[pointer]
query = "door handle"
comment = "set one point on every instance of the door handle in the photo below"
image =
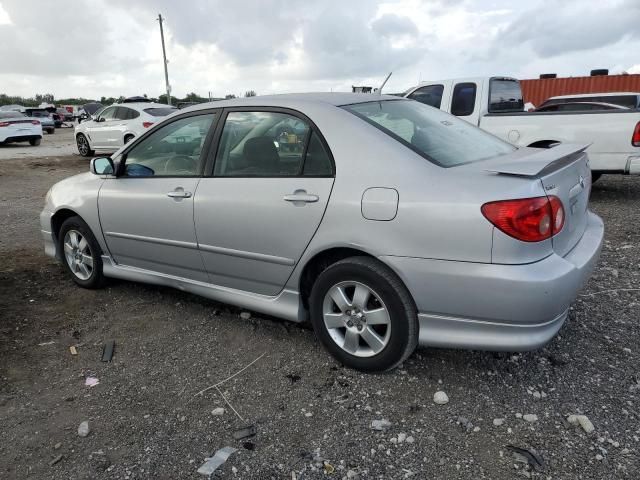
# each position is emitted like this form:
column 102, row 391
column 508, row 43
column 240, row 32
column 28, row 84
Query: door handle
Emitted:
column 179, row 193
column 301, row 196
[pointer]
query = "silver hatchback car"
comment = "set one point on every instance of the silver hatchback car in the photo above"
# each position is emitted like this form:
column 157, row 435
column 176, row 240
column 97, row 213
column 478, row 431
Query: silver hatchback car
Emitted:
column 383, row 221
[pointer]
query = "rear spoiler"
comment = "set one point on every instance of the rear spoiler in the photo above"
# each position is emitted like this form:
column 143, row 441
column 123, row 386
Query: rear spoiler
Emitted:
column 532, row 165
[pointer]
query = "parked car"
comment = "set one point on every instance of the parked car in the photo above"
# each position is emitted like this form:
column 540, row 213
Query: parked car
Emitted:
column 624, row 99
column 17, row 127
column 44, row 117
column 65, row 115
column 118, row 124
column 393, row 225
column 578, row 107
column 88, row 110
column 495, row 104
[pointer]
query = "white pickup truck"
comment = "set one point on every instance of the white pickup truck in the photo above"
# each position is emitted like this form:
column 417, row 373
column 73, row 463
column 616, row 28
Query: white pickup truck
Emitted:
column 495, row 104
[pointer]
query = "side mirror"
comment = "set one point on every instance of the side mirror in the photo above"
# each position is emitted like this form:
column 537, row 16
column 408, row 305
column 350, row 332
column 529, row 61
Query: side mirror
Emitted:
column 101, row 166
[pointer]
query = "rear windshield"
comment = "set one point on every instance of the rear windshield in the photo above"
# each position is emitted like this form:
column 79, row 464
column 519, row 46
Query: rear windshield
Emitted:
column 160, row 111
column 11, row 115
column 505, row 96
column 439, row 137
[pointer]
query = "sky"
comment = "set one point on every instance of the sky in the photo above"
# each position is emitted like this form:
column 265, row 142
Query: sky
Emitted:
column 95, row 48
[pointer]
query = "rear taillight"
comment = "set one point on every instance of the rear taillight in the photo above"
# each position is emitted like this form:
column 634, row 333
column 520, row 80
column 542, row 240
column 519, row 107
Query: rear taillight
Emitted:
column 147, row 124
column 635, row 138
column 527, row 219
column 4, row 124
column 35, row 122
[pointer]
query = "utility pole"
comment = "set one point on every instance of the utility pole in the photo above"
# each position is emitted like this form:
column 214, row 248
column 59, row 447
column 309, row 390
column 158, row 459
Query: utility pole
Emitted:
column 164, row 57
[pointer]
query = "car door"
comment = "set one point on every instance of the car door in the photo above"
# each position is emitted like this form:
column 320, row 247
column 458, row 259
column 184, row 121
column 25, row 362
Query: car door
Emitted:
column 117, row 128
column 259, row 206
column 98, row 129
column 146, row 212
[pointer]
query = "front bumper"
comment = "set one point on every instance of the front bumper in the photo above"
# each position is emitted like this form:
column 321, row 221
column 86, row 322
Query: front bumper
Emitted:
column 498, row 307
column 47, row 234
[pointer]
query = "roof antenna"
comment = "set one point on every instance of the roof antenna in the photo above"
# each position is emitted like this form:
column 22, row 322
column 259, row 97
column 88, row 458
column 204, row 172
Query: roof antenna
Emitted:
column 383, row 84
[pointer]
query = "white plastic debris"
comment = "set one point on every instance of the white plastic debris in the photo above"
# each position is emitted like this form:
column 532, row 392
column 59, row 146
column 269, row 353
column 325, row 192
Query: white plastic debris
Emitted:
column 440, row 398
column 83, row 429
column 582, row 421
column 211, row 464
column 91, row 381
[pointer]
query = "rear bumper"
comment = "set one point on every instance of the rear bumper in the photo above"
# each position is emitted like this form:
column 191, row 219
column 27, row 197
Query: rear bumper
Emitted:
column 627, row 163
column 14, row 138
column 498, row 307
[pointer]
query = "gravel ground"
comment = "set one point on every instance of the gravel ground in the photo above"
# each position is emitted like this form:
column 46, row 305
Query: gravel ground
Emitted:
column 147, row 421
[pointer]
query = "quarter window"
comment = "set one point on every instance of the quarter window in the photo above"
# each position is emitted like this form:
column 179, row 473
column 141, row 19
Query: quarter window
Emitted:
column 268, row 144
column 429, row 95
column 463, row 99
column 173, row 150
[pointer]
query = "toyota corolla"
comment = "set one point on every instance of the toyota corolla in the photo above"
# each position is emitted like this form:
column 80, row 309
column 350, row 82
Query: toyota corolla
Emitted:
column 384, row 222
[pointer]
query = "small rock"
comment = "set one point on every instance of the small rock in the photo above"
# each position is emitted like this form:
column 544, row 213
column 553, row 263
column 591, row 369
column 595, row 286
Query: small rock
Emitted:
column 498, row 421
column 440, row 398
column 530, row 417
column 518, row 415
column 245, row 315
column 626, row 350
column 582, row 421
column 57, row 446
column 55, row 460
column 83, row 429
column 382, row 424
column 352, row 474
column 410, row 439
column 402, row 437
column 599, row 457
column 308, row 414
column 476, row 429
column 217, row 411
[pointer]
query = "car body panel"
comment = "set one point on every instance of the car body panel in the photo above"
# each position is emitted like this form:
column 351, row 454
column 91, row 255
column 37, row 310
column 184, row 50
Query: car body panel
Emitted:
column 438, row 242
column 18, row 128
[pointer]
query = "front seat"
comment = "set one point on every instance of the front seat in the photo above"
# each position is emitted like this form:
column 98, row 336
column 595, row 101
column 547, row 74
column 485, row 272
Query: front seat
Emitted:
column 261, row 156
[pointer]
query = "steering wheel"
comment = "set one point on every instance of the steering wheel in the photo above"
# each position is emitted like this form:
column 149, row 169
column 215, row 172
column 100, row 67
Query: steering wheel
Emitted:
column 180, row 163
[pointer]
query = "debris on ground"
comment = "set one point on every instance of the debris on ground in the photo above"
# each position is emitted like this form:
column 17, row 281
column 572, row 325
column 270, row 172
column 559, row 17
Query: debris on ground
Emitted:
column 245, row 432
column 43, row 344
column 328, row 468
column 293, row 377
column 211, row 464
column 530, row 417
column 245, row 315
column 465, row 423
column 440, row 398
column 55, row 460
column 107, row 350
column 529, row 456
column 73, row 350
column 91, row 381
column 381, row 425
column 498, row 421
column 83, row 429
column 217, row 411
column 582, row 421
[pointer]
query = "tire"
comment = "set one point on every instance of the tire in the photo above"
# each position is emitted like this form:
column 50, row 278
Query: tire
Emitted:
column 84, row 148
column 34, row 142
column 74, row 252
column 51, row 131
column 396, row 319
column 128, row 138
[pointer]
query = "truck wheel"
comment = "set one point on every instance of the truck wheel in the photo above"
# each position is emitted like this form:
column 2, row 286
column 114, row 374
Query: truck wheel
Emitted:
column 34, row 142
column 363, row 314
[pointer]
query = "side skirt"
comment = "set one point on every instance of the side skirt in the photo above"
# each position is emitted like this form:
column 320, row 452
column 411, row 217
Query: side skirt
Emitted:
column 285, row 305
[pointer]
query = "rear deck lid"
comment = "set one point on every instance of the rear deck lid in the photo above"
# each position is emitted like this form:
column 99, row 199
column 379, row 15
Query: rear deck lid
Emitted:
column 564, row 172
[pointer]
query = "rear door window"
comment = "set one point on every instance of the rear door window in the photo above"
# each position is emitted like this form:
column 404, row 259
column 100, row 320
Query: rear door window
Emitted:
column 463, row 99
column 505, row 95
column 429, row 95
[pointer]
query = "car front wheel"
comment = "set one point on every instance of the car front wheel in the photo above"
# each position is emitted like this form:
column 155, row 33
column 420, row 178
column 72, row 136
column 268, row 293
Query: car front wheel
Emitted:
column 34, row 142
column 83, row 146
column 80, row 253
column 364, row 315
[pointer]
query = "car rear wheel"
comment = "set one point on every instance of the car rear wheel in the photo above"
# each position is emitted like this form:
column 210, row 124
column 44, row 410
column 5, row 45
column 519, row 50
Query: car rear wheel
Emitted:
column 80, row 253
column 83, row 146
column 34, row 142
column 364, row 315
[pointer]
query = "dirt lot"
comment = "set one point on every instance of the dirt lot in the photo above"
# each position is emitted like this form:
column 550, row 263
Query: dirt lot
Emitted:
column 146, row 420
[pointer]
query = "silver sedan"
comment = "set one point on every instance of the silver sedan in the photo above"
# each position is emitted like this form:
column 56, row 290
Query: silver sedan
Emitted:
column 383, row 221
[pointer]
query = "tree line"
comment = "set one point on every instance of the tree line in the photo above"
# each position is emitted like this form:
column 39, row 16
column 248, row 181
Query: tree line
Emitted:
column 39, row 98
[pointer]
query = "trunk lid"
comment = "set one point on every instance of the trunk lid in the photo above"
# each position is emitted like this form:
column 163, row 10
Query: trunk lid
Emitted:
column 564, row 172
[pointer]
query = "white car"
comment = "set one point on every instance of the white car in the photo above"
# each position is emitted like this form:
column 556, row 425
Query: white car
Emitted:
column 17, row 127
column 118, row 124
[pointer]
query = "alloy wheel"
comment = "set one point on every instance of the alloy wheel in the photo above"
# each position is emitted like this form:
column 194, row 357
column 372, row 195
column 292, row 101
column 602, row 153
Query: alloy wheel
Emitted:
column 78, row 254
column 356, row 318
column 83, row 145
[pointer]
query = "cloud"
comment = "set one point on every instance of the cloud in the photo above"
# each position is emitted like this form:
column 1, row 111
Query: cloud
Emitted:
column 390, row 25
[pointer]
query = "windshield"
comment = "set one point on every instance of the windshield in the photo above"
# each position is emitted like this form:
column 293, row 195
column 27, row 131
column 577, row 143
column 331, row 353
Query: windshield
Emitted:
column 439, row 137
column 160, row 111
column 11, row 115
